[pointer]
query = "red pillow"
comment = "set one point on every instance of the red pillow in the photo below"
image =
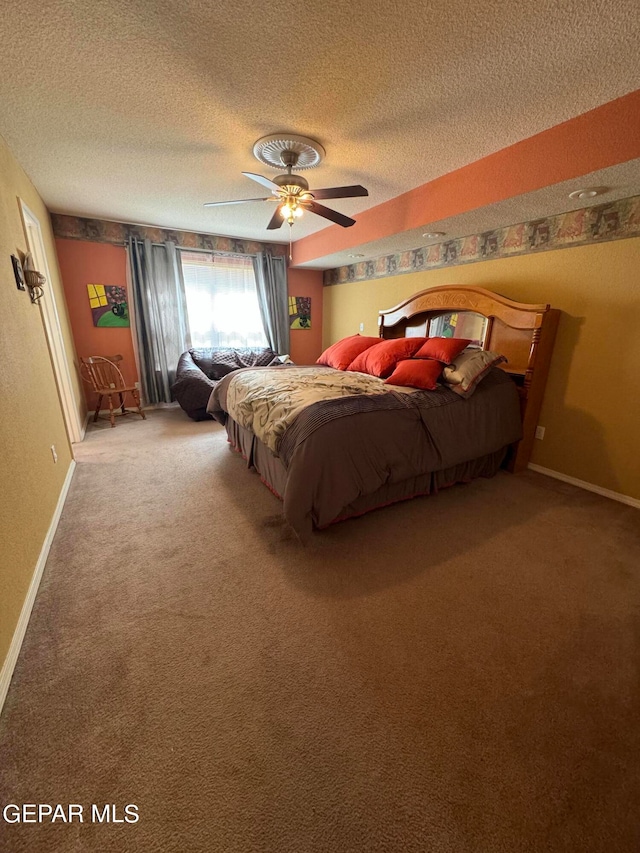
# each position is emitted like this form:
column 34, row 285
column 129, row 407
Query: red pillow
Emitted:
column 341, row 354
column 383, row 357
column 416, row 372
column 443, row 349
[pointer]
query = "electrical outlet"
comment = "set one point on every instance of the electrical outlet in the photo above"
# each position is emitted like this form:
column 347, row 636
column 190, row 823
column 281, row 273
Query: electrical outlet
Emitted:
column 362, row 327
column 539, row 432
column 53, row 453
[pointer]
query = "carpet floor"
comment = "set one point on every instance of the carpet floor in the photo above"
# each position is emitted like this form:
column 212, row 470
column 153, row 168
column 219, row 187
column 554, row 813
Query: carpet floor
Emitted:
column 455, row 674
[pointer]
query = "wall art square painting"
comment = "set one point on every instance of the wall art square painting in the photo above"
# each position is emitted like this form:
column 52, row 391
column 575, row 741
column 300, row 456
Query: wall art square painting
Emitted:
column 300, row 312
column 108, row 305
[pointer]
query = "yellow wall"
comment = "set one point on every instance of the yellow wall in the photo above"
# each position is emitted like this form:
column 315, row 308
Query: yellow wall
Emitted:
column 30, row 415
column 591, row 409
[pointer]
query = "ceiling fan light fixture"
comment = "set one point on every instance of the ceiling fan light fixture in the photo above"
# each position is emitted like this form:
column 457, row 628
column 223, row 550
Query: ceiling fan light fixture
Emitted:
column 291, row 210
column 291, row 192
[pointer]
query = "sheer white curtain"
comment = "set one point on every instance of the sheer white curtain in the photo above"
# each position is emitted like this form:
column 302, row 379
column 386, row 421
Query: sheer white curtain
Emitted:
column 222, row 302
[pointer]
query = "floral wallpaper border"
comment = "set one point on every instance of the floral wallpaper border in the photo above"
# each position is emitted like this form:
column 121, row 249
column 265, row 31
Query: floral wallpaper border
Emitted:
column 103, row 231
column 611, row 221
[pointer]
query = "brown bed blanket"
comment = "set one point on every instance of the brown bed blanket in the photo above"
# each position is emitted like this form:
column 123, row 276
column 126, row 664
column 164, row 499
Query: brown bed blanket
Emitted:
column 336, row 451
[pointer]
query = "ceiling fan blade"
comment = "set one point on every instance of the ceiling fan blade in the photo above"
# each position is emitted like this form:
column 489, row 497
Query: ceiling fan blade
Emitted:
column 276, row 220
column 340, row 192
column 236, row 201
column 333, row 215
column 270, row 185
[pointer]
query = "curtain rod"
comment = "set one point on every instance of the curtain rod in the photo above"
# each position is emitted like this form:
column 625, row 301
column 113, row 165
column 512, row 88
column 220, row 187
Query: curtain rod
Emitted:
column 200, row 251
column 217, row 252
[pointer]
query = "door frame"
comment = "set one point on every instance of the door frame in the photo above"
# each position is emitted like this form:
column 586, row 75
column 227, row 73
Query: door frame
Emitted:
column 51, row 325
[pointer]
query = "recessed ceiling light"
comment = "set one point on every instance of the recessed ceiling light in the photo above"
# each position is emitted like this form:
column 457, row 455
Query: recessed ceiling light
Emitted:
column 431, row 235
column 588, row 192
column 355, row 255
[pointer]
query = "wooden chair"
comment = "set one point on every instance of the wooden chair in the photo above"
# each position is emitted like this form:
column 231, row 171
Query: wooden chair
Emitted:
column 107, row 381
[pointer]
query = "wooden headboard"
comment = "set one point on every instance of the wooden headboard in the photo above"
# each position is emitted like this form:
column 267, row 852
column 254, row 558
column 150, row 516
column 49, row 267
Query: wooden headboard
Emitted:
column 523, row 333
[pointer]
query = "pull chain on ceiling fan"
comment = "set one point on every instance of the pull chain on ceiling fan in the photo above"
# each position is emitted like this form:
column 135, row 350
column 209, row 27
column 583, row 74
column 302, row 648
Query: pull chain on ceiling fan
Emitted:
column 291, row 192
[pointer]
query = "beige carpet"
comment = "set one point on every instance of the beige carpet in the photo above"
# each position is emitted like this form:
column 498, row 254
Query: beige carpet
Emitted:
column 456, row 674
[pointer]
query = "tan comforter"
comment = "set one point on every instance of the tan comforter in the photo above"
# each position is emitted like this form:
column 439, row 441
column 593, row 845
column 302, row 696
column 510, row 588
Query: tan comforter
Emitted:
column 268, row 401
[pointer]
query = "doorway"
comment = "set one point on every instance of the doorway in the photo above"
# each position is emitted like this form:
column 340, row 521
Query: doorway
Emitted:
column 51, row 325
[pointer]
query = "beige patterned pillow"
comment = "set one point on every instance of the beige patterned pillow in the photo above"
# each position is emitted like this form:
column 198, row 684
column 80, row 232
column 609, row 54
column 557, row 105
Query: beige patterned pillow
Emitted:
column 469, row 368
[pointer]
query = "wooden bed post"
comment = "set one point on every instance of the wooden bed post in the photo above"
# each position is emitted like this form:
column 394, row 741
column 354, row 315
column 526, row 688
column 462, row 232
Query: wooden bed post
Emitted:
column 535, row 380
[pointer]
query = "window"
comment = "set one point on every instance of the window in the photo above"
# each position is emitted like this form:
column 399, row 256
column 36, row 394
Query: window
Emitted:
column 222, row 301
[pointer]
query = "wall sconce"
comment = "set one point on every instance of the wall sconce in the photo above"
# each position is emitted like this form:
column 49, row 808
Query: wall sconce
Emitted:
column 34, row 281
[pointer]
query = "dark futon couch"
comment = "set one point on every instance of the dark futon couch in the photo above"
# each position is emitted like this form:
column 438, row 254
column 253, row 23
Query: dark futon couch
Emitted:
column 200, row 369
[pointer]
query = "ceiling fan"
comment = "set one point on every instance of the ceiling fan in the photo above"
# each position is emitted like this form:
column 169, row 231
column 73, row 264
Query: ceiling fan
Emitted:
column 291, row 192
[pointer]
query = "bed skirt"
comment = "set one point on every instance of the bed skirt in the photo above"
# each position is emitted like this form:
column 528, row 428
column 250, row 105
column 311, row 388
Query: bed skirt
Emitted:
column 274, row 475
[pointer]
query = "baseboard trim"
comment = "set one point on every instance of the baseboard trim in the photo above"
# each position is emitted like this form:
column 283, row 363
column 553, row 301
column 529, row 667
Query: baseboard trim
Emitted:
column 590, row 487
column 21, row 628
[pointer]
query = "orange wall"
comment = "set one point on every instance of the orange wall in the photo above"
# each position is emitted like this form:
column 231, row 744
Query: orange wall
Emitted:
column 605, row 136
column 83, row 263
column 306, row 344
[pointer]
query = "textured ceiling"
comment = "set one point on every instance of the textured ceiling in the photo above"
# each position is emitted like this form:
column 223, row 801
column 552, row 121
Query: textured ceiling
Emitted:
column 143, row 111
column 620, row 181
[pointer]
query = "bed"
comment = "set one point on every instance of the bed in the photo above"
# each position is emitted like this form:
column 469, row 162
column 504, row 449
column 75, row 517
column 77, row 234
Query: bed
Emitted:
column 369, row 444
